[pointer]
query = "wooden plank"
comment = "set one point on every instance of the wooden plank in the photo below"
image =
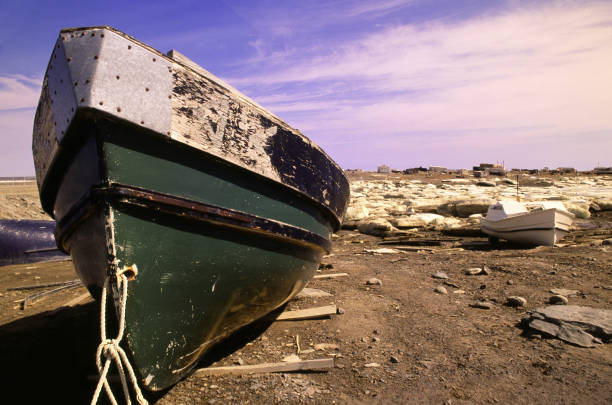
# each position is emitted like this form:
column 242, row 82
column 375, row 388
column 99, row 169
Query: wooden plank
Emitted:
column 333, row 275
column 309, row 313
column 282, row 367
column 76, row 301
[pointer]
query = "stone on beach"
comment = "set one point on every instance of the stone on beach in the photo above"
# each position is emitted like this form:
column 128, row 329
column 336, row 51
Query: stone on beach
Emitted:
column 578, row 325
column 440, row 290
column 416, row 220
column 470, row 207
column 579, row 209
column 373, row 281
column 564, row 292
column 376, row 227
column 516, row 301
column 356, row 213
column 558, row 300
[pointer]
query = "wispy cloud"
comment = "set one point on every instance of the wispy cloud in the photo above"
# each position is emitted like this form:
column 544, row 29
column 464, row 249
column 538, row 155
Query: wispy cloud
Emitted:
column 544, row 67
column 377, row 8
column 18, row 91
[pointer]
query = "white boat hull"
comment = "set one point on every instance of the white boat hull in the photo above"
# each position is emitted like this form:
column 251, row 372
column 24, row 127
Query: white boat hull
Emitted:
column 545, row 227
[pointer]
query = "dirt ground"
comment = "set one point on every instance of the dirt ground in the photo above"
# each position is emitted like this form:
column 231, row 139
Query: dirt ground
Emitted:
column 399, row 342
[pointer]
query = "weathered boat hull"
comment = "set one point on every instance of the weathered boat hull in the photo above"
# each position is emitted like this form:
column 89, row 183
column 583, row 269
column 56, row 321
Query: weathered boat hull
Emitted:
column 543, row 227
column 222, row 232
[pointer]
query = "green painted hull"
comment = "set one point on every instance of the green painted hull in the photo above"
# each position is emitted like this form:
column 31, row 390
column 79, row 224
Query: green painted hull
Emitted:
column 198, row 280
column 196, row 284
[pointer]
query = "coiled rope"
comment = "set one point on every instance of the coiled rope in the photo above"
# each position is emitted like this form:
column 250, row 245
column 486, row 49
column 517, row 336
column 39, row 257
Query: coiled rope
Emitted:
column 110, row 347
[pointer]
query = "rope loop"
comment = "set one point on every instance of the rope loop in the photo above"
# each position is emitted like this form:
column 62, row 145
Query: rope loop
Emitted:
column 110, row 349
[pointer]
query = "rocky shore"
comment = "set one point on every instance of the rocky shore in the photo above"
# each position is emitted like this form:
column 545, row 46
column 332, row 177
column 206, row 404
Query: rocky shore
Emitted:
column 430, row 312
column 382, row 205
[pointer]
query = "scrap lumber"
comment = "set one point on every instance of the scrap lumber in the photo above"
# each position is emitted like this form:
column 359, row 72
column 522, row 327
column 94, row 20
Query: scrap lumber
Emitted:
column 35, row 286
column 76, row 301
column 35, row 297
column 310, row 313
column 282, row 367
column 332, row 275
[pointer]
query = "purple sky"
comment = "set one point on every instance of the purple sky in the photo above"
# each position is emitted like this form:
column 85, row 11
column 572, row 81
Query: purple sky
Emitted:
column 399, row 82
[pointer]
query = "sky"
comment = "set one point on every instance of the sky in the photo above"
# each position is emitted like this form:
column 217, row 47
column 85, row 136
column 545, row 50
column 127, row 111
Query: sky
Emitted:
column 404, row 83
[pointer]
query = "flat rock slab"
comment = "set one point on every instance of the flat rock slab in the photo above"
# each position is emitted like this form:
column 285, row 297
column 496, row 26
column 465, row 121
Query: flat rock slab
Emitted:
column 578, row 325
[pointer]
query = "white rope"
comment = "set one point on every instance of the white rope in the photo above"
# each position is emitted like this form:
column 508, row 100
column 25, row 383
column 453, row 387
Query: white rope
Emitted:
column 110, row 347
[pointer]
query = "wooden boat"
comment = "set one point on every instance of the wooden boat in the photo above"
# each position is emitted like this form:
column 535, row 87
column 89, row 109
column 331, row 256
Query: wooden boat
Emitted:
column 538, row 223
column 146, row 158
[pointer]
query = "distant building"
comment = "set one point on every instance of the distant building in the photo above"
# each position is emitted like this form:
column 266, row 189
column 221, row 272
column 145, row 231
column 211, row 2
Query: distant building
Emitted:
column 383, row 169
column 438, row 169
column 566, row 170
column 603, row 170
column 415, row 170
column 494, row 169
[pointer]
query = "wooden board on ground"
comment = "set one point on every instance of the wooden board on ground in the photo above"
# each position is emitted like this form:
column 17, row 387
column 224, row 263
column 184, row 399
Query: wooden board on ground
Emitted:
column 333, row 275
column 282, row 367
column 309, row 313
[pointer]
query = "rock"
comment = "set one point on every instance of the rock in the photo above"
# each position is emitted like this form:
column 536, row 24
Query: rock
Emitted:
column 356, row 213
column 440, row 275
column 416, row 220
column 470, row 207
column 394, row 359
column 510, row 282
column 481, row 305
column 440, row 290
column 473, row 271
column 558, row 300
column 373, row 281
column 447, row 223
column 377, row 227
column 340, row 311
column 607, row 241
column 578, row 325
column 459, row 292
column 564, row 292
column 447, row 209
column 485, row 270
column 370, row 365
column 604, row 204
column 484, row 183
column 516, row 301
column 579, row 209
column 448, row 283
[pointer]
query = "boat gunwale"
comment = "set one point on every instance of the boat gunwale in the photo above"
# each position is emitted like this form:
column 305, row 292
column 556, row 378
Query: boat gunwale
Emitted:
column 183, row 207
column 336, row 214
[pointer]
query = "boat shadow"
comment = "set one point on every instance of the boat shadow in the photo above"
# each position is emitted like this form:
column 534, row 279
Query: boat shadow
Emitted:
column 239, row 339
column 50, row 356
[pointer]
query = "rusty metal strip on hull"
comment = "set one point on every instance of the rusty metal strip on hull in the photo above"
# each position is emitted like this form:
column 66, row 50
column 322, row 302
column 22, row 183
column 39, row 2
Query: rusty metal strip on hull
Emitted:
column 136, row 197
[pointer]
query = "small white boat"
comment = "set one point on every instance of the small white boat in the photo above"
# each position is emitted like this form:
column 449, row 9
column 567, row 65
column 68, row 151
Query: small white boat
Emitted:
column 533, row 223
